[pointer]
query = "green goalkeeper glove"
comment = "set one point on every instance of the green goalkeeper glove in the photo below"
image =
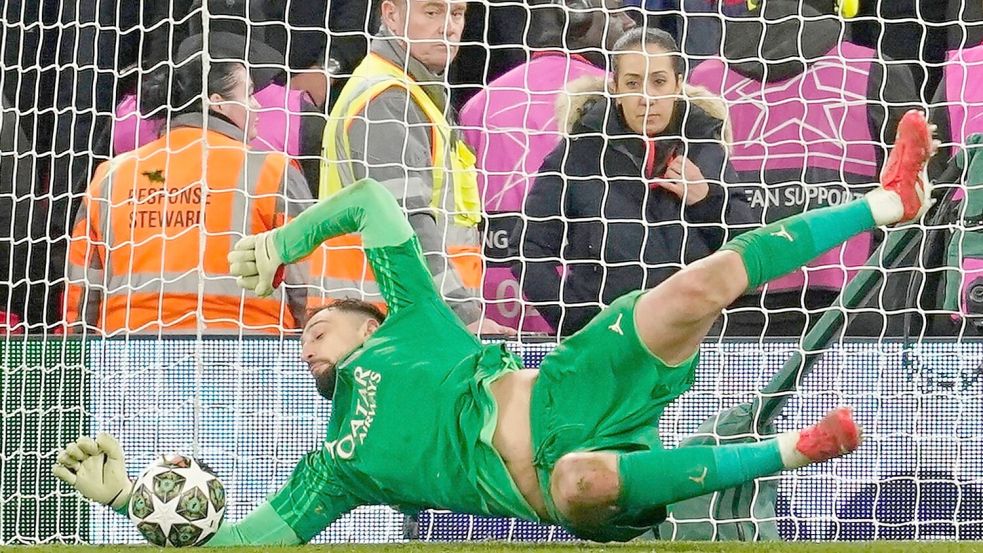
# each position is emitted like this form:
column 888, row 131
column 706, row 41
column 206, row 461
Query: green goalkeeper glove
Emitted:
column 96, row 469
column 257, row 263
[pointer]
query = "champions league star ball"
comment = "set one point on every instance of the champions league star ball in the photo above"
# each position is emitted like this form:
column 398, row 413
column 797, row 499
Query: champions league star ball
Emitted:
column 177, row 502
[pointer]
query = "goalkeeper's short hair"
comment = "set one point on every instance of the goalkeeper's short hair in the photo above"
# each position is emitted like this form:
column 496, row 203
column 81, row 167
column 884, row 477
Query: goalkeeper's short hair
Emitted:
column 350, row 305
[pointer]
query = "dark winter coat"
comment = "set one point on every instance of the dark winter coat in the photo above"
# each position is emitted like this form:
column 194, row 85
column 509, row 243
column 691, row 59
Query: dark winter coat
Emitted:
column 24, row 238
column 592, row 212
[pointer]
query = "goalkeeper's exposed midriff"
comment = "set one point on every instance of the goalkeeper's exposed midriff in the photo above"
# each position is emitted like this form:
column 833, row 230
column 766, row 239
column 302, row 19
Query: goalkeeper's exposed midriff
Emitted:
column 513, row 434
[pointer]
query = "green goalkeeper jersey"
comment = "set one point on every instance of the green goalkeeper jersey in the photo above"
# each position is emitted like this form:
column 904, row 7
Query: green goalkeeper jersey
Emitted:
column 412, row 415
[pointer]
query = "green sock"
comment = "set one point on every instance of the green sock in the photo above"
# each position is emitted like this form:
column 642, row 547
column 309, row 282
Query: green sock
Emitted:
column 782, row 247
column 665, row 476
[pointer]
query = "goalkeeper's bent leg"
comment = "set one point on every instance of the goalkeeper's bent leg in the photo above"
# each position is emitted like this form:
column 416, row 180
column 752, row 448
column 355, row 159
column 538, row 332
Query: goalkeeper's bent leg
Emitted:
column 673, row 318
column 904, row 195
column 704, row 469
column 591, row 488
column 780, row 248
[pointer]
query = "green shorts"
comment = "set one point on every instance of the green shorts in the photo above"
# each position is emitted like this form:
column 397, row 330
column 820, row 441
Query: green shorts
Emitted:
column 601, row 389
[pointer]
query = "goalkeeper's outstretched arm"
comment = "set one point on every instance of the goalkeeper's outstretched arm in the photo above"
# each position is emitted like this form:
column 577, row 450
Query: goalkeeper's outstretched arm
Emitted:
column 365, row 207
column 309, row 501
column 300, row 510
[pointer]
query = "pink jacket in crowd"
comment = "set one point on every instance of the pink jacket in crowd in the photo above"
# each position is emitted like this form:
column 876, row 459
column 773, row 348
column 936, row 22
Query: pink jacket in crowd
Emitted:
column 279, row 122
column 511, row 125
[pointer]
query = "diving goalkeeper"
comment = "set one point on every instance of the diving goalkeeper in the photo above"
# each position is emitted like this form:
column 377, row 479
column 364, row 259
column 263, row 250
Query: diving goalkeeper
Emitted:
column 426, row 416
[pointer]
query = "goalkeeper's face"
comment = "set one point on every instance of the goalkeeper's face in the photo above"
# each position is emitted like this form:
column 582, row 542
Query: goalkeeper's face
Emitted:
column 330, row 335
column 432, row 28
column 646, row 87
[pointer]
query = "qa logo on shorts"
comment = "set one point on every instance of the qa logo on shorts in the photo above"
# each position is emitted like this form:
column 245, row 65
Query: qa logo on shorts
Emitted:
column 360, row 419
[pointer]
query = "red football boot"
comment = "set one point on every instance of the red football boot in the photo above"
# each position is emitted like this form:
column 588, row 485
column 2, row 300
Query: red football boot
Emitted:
column 904, row 172
column 836, row 435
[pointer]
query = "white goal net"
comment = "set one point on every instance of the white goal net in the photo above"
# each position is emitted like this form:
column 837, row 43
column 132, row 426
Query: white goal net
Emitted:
column 116, row 313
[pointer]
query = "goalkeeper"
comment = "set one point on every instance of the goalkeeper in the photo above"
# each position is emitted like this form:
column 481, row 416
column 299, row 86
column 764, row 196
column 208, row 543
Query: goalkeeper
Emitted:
column 426, row 416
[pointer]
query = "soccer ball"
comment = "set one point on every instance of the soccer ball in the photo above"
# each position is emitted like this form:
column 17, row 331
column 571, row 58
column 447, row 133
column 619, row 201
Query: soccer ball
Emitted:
column 177, row 502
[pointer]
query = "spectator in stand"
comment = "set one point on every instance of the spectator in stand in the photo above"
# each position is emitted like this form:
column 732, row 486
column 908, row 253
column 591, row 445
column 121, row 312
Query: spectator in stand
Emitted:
column 918, row 33
column 512, row 126
column 295, row 104
column 291, row 105
column 957, row 112
column 300, row 31
column 59, row 70
column 812, row 116
column 391, row 123
column 23, row 231
column 698, row 24
column 147, row 252
column 492, row 42
column 636, row 190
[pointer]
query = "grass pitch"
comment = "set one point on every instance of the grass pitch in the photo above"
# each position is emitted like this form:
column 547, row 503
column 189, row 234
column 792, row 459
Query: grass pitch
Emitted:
column 496, row 547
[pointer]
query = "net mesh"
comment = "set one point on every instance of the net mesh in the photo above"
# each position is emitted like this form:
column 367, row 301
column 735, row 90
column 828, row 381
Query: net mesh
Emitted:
column 804, row 129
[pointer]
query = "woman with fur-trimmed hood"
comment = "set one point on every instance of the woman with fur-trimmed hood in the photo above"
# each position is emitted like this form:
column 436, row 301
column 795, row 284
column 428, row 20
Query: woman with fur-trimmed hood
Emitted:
column 634, row 191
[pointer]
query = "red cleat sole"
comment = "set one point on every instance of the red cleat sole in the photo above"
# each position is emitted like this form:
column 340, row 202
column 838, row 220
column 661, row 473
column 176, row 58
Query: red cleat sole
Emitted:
column 836, row 435
column 912, row 150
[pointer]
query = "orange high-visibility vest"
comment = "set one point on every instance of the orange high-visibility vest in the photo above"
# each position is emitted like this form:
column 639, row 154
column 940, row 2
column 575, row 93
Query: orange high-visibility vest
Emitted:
column 151, row 237
column 339, row 269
